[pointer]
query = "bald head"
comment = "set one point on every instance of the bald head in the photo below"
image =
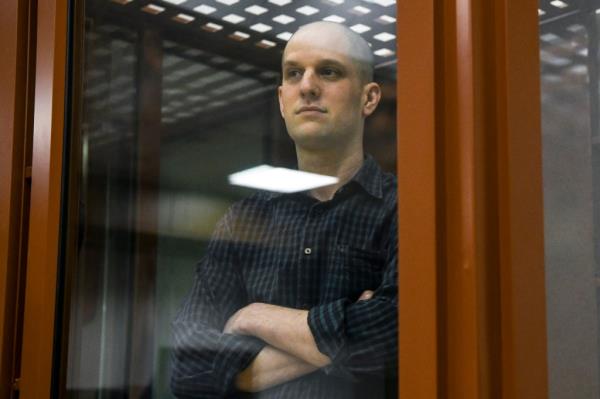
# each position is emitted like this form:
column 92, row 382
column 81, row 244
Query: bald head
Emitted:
column 347, row 43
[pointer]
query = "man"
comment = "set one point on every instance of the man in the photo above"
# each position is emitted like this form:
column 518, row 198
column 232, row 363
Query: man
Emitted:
column 297, row 295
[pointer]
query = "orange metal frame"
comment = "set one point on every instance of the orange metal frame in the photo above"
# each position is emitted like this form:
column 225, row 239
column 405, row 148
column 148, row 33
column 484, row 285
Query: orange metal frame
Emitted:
column 472, row 304
column 417, row 200
column 40, row 296
column 470, row 228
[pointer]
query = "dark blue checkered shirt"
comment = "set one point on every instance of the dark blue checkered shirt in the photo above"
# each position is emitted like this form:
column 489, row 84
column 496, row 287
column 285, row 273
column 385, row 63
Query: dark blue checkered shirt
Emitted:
column 292, row 250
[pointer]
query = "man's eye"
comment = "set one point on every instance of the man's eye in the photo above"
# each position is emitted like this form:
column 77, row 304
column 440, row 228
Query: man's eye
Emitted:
column 293, row 73
column 330, row 72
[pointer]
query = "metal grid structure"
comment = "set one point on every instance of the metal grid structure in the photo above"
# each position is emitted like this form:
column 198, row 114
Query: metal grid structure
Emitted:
column 218, row 55
column 563, row 37
column 269, row 24
column 569, row 51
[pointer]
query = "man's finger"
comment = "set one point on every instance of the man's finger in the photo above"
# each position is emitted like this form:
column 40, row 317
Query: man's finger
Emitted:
column 368, row 294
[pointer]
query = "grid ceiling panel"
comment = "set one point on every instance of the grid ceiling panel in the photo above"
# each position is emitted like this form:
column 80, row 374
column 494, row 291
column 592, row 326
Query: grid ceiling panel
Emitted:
column 269, row 23
column 552, row 9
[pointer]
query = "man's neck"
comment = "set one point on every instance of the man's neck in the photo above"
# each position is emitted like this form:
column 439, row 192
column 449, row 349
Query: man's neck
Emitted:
column 340, row 164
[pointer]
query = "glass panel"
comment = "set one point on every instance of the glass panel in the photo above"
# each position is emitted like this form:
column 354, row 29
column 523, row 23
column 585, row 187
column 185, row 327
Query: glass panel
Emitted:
column 571, row 164
column 177, row 96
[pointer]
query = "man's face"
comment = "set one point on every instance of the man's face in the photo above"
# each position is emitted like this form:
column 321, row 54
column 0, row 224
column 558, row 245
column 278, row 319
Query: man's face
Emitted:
column 321, row 94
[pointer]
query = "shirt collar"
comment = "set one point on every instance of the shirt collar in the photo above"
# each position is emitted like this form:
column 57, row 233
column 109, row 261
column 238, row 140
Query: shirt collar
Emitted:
column 369, row 177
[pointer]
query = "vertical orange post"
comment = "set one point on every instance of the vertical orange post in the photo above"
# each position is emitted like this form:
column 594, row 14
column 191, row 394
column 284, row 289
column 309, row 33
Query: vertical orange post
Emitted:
column 15, row 65
column 494, row 332
column 40, row 298
column 417, row 225
column 472, row 298
column 523, row 305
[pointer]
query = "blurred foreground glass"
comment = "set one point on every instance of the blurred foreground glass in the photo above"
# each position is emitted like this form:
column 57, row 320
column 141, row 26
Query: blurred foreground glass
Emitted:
column 569, row 42
column 174, row 97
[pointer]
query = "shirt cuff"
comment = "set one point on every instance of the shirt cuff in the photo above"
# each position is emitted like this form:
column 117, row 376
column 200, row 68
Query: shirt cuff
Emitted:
column 236, row 352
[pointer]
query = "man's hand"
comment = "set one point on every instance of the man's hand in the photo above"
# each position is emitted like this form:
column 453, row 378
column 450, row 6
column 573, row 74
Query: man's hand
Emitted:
column 366, row 295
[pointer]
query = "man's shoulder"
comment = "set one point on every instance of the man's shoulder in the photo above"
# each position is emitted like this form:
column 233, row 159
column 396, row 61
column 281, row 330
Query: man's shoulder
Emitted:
column 257, row 201
column 389, row 182
column 250, row 209
column 389, row 186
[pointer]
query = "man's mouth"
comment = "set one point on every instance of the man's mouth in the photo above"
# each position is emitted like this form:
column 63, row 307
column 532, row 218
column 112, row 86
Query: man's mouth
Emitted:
column 310, row 108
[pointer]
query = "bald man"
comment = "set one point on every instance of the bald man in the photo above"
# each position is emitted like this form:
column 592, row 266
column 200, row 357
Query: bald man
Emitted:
column 297, row 295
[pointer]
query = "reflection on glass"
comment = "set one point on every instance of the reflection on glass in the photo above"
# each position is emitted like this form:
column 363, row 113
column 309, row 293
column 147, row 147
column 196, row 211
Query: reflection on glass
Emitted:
column 176, row 97
column 571, row 164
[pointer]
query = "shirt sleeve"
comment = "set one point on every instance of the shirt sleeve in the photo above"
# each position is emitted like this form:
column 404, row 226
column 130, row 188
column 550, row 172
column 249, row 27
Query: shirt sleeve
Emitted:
column 205, row 361
column 361, row 337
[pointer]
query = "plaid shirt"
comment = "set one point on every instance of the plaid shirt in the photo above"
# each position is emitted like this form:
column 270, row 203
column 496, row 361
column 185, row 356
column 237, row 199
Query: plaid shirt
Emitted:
column 295, row 251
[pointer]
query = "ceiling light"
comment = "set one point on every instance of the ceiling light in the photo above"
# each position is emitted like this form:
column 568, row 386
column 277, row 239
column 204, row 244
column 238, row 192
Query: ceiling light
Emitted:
column 578, row 27
column 360, row 28
column 204, row 9
column 266, row 44
column 256, row 10
column 284, row 36
column 227, row 2
column 384, row 37
column 559, row 4
column 183, row 18
column 269, row 74
column 239, row 36
column 384, row 52
column 153, row 9
column 233, row 18
column 262, row 28
column 578, row 69
column 556, row 61
column 176, row 2
column 550, row 37
column 360, row 10
column 244, row 67
column 307, row 10
column 541, row 12
column 336, row 2
column 280, row 2
column 334, row 18
column 280, row 180
column 217, row 59
column 386, row 19
column 212, row 27
column 197, row 97
column 383, row 3
column 284, row 19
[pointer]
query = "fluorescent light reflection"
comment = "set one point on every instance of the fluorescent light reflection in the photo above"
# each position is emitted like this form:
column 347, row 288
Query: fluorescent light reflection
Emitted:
column 280, row 180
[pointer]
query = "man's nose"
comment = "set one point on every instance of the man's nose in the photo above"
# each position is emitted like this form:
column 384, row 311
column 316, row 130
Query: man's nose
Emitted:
column 309, row 85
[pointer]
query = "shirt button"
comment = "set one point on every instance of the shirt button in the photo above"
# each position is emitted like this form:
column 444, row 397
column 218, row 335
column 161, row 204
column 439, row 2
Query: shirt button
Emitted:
column 307, row 251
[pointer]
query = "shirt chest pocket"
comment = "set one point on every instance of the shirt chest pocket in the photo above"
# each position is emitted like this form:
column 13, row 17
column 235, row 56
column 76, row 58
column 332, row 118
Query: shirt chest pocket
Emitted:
column 352, row 271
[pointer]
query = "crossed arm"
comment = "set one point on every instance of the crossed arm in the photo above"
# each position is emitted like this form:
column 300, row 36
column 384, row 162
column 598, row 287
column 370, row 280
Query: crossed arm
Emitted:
column 291, row 351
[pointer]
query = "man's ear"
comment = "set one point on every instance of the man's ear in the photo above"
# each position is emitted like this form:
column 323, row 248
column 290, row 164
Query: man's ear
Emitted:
column 371, row 95
column 280, row 102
